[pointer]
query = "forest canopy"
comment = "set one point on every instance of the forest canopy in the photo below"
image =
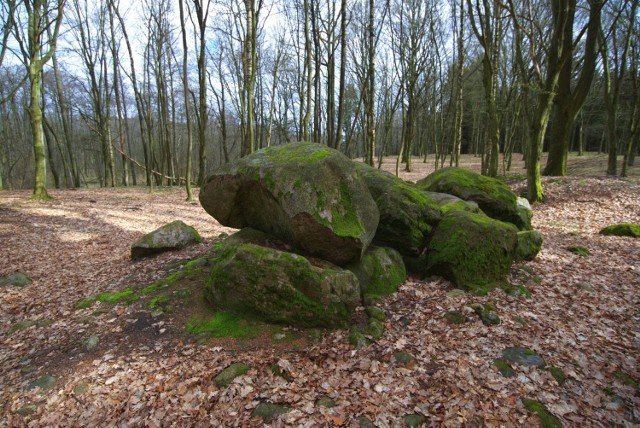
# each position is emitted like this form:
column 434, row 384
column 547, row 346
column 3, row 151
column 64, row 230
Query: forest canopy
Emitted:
column 134, row 93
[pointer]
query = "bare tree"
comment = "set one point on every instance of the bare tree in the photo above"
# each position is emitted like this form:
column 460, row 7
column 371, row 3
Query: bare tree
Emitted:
column 37, row 48
column 571, row 94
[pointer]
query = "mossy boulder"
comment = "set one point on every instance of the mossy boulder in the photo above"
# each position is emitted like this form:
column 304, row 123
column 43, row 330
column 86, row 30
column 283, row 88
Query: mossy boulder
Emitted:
column 17, row 279
column 303, row 193
column 529, row 245
column 494, row 197
column 472, row 250
column 171, row 236
column 380, row 271
column 407, row 215
column 622, row 229
column 281, row 287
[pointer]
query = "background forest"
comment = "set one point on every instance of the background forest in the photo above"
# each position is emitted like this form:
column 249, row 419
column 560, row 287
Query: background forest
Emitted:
column 112, row 92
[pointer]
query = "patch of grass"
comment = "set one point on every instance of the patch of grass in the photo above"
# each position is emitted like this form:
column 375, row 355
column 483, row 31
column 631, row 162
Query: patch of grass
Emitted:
column 159, row 302
column 126, row 296
column 223, row 324
column 152, row 288
column 579, row 250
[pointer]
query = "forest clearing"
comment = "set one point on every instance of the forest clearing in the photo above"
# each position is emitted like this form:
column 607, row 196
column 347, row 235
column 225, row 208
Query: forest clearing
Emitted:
column 125, row 364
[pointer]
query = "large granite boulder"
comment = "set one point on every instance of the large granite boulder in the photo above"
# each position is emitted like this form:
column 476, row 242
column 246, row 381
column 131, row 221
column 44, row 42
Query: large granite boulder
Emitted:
column 407, row 215
column 303, row 193
column 171, row 236
column 494, row 197
column 281, row 287
column 472, row 250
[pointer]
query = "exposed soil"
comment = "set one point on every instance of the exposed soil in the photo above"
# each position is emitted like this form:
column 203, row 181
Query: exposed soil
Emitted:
column 583, row 316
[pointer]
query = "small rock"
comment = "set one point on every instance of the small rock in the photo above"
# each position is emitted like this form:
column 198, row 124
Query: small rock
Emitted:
column 17, row 279
column 325, row 402
column 414, row 420
column 365, row 422
column 45, row 382
column 80, row 389
column 226, row 376
column 90, row 343
column 586, row 287
column 405, row 320
column 558, row 375
column 456, row 293
column 280, row 372
column 489, row 318
column 279, row 336
column 26, row 410
column 455, row 317
column 404, row 359
column 503, row 367
column 523, row 356
column 357, row 339
column 268, row 411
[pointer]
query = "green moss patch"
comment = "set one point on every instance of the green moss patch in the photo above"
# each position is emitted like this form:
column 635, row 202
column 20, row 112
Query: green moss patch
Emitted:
column 126, row 296
column 504, row 367
column 226, row 376
column 579, row 250
column 558, row 374
column 455, row 317
column 622, row 229
column 547, row 419
column 223, row 324
column 626, row 378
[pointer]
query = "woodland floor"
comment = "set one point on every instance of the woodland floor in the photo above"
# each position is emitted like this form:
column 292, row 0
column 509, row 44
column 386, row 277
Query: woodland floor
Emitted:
column 583, row 316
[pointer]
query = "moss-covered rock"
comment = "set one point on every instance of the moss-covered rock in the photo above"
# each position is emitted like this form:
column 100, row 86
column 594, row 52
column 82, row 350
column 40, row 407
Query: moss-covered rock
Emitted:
column 376, row 313
column 472, row 250
column 171, row 236
column 622, row 229
column 504, row 367
column 380, row 271
column 494, row 197
column 414, row 420
column 547, row 419
column 407, row 215
column 455, row 317
column 45, row 382
column 268, row 411
column 304, row 193
column 281, row 287
column 523, row 356
column 17, row 279
column 529, row 245
column 356, row 338
column 226, row 376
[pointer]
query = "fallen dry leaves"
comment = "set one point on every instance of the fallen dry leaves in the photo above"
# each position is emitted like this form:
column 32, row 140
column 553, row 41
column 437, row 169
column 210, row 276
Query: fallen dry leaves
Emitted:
column 583, row 317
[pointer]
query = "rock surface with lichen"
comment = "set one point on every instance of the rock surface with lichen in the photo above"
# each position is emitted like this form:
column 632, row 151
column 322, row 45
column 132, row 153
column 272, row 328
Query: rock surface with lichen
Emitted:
column 472, row 250
column 494, row 197
column 281, row 287
column 304, row 193
column 171, row 236
column 407, row 215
